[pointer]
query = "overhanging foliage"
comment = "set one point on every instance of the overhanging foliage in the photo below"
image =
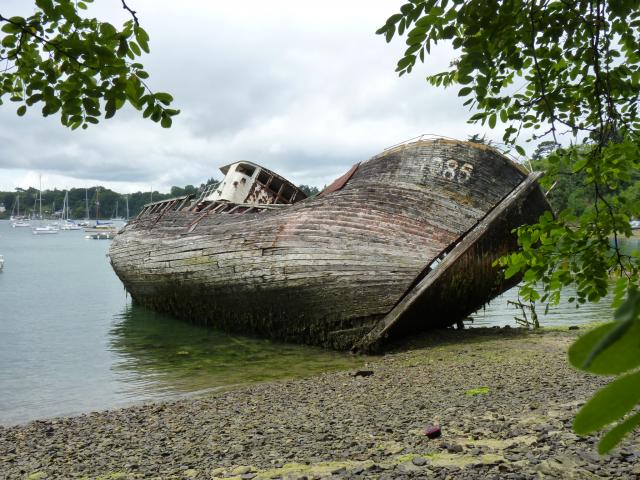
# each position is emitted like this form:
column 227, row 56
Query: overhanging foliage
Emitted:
column 568, row 72
column 79, row 68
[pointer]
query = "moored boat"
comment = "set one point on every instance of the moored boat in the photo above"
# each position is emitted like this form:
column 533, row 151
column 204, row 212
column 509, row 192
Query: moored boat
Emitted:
column 70, row 225
column 402, row 242
column 101, row 231
column 46, row 230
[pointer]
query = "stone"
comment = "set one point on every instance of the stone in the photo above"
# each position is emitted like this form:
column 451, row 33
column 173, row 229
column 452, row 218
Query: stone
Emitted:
column 455, row 448
column 241, row 470
column 419, row 461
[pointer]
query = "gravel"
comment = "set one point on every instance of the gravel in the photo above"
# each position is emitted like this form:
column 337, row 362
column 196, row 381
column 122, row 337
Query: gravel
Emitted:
column 342, row 425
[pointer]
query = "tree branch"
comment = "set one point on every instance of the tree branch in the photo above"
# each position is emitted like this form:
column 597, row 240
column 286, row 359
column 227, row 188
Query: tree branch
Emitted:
column 132, row 12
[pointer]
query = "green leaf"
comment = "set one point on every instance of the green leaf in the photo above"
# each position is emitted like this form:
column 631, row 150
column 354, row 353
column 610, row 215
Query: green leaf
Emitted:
column 46, row 6
column 620, row 355
column 163, row 97
column 609, row 404
column 110, row 108
column 615, row 435
column 492, row 120
column 166, row 121
column 22, row 110
column 520, row 150
column 133, row 46
column 393, row 19
column 592, row 347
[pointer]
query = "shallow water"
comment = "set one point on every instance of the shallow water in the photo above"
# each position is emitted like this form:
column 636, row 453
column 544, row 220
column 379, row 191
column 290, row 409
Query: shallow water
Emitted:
column 500, row 313
column 71, row 342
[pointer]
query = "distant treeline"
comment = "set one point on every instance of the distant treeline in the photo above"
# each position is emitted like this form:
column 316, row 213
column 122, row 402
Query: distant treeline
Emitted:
column 102, row 202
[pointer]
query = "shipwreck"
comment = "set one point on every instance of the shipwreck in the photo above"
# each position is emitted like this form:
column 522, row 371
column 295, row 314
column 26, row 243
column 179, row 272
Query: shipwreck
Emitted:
column 402, row 242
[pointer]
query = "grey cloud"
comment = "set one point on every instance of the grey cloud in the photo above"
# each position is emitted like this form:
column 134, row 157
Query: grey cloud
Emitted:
column 307, row 90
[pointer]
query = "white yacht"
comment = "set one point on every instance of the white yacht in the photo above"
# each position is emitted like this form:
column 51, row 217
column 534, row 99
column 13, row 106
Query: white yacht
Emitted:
column 46, row 230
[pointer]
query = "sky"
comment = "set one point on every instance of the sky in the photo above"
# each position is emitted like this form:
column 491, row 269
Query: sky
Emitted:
column 304, row 88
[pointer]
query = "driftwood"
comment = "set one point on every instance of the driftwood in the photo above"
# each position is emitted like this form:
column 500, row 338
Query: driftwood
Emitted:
column 405, row 243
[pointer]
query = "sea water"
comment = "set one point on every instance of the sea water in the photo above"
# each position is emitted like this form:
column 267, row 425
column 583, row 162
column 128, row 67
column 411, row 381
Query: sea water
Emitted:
column 71, row 341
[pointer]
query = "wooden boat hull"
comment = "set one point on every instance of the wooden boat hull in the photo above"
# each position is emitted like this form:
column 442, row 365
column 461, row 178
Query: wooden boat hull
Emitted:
column 330, row 270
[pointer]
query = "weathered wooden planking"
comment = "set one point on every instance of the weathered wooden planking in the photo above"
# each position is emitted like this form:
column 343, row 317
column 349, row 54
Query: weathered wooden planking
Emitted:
column 336, row 263
column 444, row 289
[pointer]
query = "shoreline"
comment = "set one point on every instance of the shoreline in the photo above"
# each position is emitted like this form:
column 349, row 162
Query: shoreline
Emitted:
column 504, row 398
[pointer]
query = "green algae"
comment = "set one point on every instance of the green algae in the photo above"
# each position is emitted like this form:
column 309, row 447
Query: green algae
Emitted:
column 112, row 476
column 183, row 358
column 321, row 469
column 477, row 391
column 37, row 476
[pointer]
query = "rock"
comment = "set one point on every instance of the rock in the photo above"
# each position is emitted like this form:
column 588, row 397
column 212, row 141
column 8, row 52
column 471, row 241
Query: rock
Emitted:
column 433, row 431
column 362, row 373
column 455, row 448
column 419, row 461
column 241, row 470
column 357, row 470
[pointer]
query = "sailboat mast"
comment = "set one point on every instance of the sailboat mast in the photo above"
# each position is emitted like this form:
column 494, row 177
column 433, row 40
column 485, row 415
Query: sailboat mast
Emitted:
column 97, row 204
column 40, row 197
column 86, row 202
column 127, row 200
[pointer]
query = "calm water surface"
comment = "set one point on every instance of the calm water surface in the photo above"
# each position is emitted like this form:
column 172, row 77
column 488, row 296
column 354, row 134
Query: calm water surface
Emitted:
column 71, row 342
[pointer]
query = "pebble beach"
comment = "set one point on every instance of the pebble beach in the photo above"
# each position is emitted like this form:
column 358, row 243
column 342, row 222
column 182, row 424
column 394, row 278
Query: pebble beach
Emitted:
column 503, row 399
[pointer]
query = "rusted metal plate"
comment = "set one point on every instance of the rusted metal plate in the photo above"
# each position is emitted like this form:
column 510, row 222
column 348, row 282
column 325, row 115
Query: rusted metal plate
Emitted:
column 339, row 182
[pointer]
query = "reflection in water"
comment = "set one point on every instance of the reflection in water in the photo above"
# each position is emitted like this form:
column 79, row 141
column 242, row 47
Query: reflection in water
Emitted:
column 500, row 313
column 160, row 356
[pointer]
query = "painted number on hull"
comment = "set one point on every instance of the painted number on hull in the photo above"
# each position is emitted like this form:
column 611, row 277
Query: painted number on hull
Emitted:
column 452, row 170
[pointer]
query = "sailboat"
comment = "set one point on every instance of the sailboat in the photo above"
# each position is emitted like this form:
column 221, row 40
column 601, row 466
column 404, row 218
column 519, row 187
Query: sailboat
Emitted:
column 18, row 220
column 47, row 229
column 101, row 230
column 67, row 223
column 85, row 222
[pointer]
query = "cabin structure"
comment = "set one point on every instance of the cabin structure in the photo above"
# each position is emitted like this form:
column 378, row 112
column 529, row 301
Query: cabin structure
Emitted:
column 248, row 182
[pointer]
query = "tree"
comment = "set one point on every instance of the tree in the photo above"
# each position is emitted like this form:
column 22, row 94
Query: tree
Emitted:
column 77, row 67
column 558, row 69
column 309, row 190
